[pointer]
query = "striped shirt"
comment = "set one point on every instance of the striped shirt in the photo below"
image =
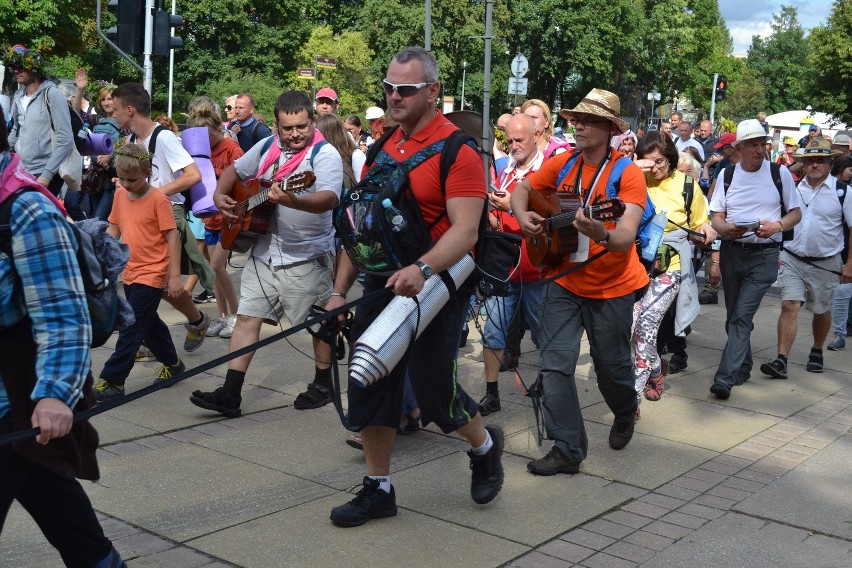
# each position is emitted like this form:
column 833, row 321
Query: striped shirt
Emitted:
column 49, row 289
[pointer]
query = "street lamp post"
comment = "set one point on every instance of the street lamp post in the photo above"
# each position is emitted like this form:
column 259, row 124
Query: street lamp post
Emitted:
column 464, row 76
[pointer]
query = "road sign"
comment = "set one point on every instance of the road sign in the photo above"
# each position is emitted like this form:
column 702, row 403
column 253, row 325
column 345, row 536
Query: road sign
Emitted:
column 653, row 96
column 520, row 66
column 518, row 85
column 326, row 62
column 306, row 73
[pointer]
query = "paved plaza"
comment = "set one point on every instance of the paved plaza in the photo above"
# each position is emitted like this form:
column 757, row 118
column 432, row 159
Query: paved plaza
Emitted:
column 759, row 480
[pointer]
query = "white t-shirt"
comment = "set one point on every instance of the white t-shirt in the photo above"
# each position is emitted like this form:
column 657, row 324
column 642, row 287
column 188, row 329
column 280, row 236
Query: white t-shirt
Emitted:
column 753, row 196
column 681, row 146
column 169, row 159
column 295, row 235
column 822, row 220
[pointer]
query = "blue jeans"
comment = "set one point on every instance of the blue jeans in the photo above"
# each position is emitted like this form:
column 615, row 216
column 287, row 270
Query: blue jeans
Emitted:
column 148, row 328
column 746, row 276
column 607, row 323
column 500, row 310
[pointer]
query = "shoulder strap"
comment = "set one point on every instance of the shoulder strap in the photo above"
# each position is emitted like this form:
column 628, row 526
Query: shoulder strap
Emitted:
column 267, row 145
column 316, row 149
column 254, row 132
column 451, row 150
column 152, row 143
column 5, row 222
column 688, row 192
column 727, row 178
column 567, row 168
column 775, row 172
column 373, row 150
column 614, row 182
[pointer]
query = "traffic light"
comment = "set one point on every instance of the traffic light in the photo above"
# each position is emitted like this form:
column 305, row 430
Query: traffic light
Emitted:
column 721, row 87
column 163, row 40
column 129, row 33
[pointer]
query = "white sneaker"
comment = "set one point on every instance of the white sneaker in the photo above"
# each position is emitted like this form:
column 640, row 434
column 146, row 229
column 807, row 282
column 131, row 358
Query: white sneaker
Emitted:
column 228, row 329
column 216, row 326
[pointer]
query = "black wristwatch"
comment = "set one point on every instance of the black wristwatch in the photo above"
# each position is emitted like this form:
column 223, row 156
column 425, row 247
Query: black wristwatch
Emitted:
column 425, row 269
column 604, row 240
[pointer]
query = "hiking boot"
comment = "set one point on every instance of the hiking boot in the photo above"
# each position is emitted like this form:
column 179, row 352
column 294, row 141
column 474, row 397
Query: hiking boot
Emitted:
column 621, row 432
column 721, row 390
column 144, row 354
column 203, row 297
column 315, row 395
column 195, row 333
column 655, row 385
column 215, row 327
column 708, row 297
column 814, row 362
column 228, row 330
column 489, row 403
column 554, row 462
column 105, row 390
column 509, row 362
column 220, row 400
column 487, row 471
column 776, row 369
column 166, row 372
column 676, row 364
column 837, row 344
column 369, row 503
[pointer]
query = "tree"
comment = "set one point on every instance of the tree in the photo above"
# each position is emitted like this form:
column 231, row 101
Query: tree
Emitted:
column 830, row 64
column 746, row 97
column 51, row 27
column 780, row 61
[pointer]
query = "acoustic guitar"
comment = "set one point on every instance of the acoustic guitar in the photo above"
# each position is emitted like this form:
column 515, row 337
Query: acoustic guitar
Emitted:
column 560, row 237
column 254, row 210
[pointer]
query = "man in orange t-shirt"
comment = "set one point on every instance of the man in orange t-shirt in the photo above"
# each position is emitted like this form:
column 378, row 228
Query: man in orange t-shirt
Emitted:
column 454, row 212
column 598, row 297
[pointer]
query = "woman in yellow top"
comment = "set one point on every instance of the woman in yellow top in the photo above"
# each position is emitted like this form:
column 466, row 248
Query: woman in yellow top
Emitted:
column 657, row 156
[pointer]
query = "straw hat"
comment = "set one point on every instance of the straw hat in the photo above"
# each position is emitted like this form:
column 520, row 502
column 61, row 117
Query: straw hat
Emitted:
column 599, row 103
column 817, row 148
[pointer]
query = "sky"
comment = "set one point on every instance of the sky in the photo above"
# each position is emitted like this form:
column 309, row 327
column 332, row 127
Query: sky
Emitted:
column 746, row 18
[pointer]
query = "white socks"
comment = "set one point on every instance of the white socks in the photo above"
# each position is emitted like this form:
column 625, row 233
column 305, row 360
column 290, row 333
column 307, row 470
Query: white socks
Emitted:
column 384, row 482
column 485, row 447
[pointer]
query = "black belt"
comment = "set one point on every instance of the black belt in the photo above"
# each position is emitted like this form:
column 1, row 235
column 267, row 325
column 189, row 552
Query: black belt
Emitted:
column 753, row 246
column 808, row 258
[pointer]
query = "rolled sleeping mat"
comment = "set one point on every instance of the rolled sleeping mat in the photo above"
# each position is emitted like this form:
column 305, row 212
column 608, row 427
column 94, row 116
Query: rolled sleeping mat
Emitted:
column 98, row 144
column 196, row 141
column 384, row 343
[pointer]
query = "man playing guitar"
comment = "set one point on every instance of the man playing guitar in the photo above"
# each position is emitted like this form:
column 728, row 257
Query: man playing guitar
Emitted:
column 599, row 296
column 290, row 267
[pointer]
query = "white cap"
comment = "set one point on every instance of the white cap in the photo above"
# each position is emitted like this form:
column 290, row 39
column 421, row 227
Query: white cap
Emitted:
column 748, row 129
column 373, row 113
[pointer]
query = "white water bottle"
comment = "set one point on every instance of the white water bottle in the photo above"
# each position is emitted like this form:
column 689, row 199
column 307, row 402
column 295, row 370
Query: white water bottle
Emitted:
column 655, row 236
column 394, row 215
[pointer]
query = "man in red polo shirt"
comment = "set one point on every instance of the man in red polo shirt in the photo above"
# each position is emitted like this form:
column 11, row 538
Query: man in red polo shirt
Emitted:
column 453, row 212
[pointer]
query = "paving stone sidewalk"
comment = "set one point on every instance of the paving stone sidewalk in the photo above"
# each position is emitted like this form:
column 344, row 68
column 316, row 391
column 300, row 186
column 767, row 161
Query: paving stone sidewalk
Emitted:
column 759, row 480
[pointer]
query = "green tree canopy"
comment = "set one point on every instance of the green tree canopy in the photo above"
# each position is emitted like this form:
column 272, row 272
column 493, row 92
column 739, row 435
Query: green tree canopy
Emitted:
column 830, row 64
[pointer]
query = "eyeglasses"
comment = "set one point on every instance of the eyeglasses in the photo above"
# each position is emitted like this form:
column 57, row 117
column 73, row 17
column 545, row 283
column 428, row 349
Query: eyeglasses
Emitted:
column 816, row 161
column 297, row 128
column 586, row 121
column 404, row 89
column 229, row 107
column 660, row 162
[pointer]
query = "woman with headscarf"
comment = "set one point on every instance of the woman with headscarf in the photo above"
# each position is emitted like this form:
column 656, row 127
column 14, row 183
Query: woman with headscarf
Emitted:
column 626, row 144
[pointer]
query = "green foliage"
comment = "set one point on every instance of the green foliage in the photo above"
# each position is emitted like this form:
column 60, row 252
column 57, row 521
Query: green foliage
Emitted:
column 264, row 92
column 780, row 62
column 746, row 97
column 52, row 27
column 830, row 64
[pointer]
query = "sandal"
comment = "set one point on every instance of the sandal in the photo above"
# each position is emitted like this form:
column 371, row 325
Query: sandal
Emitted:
column 315, row 396
column 411, row 425
column 354, row 441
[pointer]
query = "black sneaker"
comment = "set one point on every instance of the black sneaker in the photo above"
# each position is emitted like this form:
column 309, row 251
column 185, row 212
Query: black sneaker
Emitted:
column 509, row 361
column 166, row 372
column 708, row 297
column 487, row 471
column 204, row 297
column 814, row 362
column 554, row 462
column 220, row 400
column 105, row 390
column 621, row 432
column 369, row 503
column 776, row 369
column 677, row 364
column 721, row 390
column 489, row 403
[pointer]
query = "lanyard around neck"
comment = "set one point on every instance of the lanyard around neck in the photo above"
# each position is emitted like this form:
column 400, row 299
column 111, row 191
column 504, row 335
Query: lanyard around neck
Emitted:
column 578, row 187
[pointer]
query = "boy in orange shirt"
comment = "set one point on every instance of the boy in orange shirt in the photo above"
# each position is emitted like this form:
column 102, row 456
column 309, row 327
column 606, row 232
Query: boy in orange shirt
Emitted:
column 143, row 217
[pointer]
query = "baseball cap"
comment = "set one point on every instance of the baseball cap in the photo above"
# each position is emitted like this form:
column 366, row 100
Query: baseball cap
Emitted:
column 326, row 93
column 841, row 140
column 749, row 130
column 812, row 127
column 373, row 113
column 727, row 139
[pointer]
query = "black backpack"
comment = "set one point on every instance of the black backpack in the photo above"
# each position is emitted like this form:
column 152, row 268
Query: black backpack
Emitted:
column 101, row 292
column 79, row 130
column 775, row 172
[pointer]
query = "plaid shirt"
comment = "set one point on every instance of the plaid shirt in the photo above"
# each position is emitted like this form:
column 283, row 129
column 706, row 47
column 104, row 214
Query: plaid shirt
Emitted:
column 53, row 298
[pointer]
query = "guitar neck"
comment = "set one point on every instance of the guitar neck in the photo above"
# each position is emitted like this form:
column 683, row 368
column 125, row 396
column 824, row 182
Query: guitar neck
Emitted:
column 259, row 198
column 556, row 222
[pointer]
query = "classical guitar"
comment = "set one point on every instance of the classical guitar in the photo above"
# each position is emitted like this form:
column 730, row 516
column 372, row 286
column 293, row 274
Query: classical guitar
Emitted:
column 560, row 237
column 254, row 210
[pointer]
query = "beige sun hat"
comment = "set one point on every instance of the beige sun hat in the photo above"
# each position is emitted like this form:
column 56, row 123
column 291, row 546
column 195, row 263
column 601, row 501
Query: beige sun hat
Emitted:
column 599, row 103
column 817, row 148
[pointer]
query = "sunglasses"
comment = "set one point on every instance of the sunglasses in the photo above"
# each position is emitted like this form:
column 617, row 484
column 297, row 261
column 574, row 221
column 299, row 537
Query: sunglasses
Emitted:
column 404, row 89
column 229, row 107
